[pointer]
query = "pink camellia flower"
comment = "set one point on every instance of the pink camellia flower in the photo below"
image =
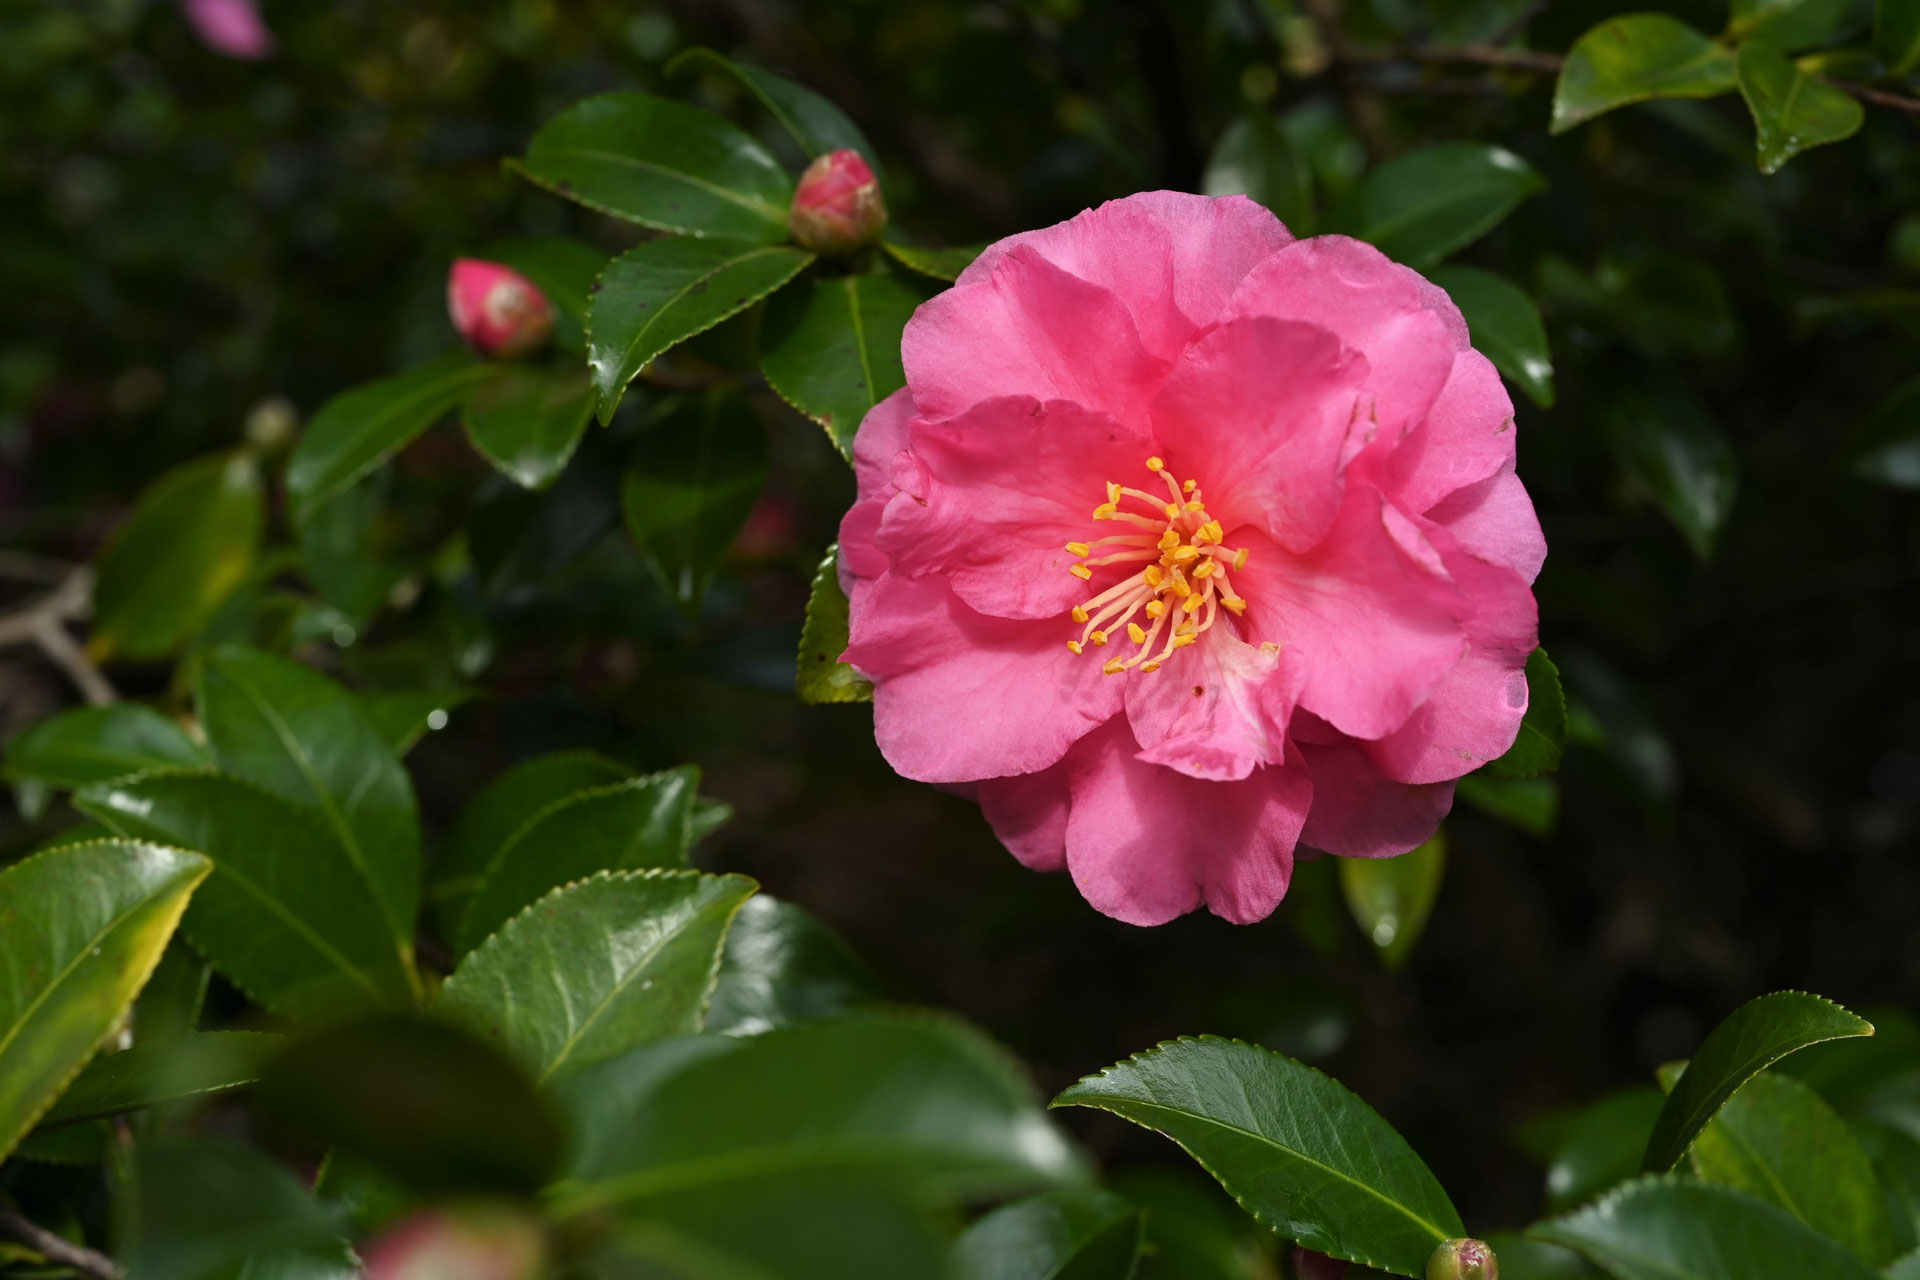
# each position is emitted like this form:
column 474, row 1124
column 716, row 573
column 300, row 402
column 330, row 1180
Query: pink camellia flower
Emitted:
column 232, row 27
column 496, row 309
column 1188, row 543
column 837, row 208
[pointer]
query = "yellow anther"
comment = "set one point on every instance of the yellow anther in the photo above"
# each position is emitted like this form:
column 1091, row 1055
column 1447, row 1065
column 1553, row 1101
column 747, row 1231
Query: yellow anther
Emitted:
column 1098, row 637
column 1240, row 557
column 1156, row 608
column 1173, row 511
column 1155, row 464
column 1074, row 645
column 1079, row 548
column 1180, row 588
column 1135, row 634
column 1214, row 531
column 1079, row 614
column 1203, row 570
column 1152, row 576
column 1185, row 628
column 1169, row 540
column 1080, row 571
column 1181, row 642
column 1193, row 602
column 1149, row 666
column 1196, row 507
column 1114, row 668
column 1234, row 603
column 1189, row 486
column 1113, row 492
column 1186, row 555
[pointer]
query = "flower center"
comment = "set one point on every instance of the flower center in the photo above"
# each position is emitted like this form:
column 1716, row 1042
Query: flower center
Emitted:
column 1180, row 590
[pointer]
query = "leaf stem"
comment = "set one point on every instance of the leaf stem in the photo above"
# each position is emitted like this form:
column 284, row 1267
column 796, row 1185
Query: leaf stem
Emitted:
column 59, row 1249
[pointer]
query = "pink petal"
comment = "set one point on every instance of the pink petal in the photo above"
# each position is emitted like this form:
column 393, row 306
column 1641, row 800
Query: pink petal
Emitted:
column 1406, row 328
column 1495, row 520
column 1028, row 329
column 1375, row 618
column 1357, row 813
column 1219, row 710
column 1465, row 437
column 1028, row 813
column 882, row 434
column 991, row 498
column 1146, row 844
column 960, row 696
column 1258, row 411
column 1173, row 259
column 232, row 27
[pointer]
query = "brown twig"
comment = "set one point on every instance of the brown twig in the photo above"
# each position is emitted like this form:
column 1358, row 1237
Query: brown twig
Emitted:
column 59, row 1249
column 42, row 622
column 1879, row 97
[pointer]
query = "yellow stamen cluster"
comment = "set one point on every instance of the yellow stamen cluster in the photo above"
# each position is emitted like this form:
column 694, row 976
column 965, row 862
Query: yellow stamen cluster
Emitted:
column 1183, row 581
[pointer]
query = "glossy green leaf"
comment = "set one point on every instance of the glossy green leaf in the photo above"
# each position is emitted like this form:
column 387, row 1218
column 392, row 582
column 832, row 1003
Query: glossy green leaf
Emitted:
column 93, row 744
column 1531, row 804
column 1635, row 57
column 201, row 1208
column 599, row 967
column 358, row 430
column 1753, row 1037
column 81, row 928
column 1896, row 35
column 562, row 269
column 658, row 294
column 284, row 915
column 914, row 1101
column 938, row 264
column 1776, row 1140
column 694, row 478
column 491, row 818
column 664, row 165
column 625, row 826
column 832, row 351
column 820, row 675
column 1506, row 327
column 403, row 716
column 527, row 420
column 1543, row 733
column 293, row 731
column 1905, row 1267
column 1669, row 1228
column 1391, row 898
column 782, row 966
column 1789, row 24
column 166, row 1070
column 1885, row 446
column 1674, row 452
column 427, row 1102
column 349, row 550
column 1254, row 158
column 1297, row 1149
column 1061, row 1235
column 1792, row 111
column 816, row 124
column 1193, row 1231
column 1421, row 206
column 192, row 538
column 1602, row 1146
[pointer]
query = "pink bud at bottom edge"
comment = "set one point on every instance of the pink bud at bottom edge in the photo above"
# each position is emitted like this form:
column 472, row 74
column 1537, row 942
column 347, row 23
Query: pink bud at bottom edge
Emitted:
column 459, row 1242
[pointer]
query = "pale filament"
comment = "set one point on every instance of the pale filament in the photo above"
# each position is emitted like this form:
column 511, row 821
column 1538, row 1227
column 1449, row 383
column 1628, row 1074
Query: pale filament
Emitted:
column 1182, row 587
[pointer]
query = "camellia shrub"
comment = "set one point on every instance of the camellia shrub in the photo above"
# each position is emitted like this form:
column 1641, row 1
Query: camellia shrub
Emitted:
column 367, row 909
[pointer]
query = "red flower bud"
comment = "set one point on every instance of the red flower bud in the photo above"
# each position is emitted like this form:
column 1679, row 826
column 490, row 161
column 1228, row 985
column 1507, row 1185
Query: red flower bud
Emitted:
column 1463, row 1259
column 1308, row 1265
column 475, row 1242
column 837, row 207
column 496, row 309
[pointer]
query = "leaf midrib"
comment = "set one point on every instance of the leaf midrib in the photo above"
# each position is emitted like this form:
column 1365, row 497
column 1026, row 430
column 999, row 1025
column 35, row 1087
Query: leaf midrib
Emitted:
column 378, row 420
column 753, row 203
column 666, row 308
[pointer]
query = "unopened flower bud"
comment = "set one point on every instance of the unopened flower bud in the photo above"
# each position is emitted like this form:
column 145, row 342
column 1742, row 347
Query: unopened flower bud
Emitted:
column 496, row 309
column 837, row 207
column 1308, row 1265
column 1463, row 1260
column 459, row 1242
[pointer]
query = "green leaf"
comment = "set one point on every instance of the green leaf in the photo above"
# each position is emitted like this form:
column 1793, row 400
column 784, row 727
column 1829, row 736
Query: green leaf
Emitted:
column 198, row 1208
column 491, row 818
column 940, row 264
column 1524, row 1259
column 1194, row 1232
column 1777, row 1141
column 285, row 914
column 599, row 967
column 693, row 480
column 425, row 1101
column 912, row 1101
column 81, row 929
column 627, row 826
column 527, row 420
column 293, row 731
column 1391, row 898
column 94, row 744
column 349, row 548
column 782, row 966
column 564, row 270
column 1674, row 451
column 1602, row 1146
column 1531, row 804
column 1896, row 35
column 1635, row 57
column 170, row 1004
column 1669, row 1228
column 1061, row 1235
column 1905, row 1267
column 167, row 1070
column 358, row 430
column 1791, row 110
column 815, row 123
column 661, row 293
column 833, row 351
column 1422, row 206
column 664, row 165
column 1543, row 733
column 403, row 716
column 1788, row 24
column 190, row 541
column 1506, row 327
column 1253, row 158
column 820, row 675
column 1753, row 1037
column 1885, row 445
column 1297, row 1149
